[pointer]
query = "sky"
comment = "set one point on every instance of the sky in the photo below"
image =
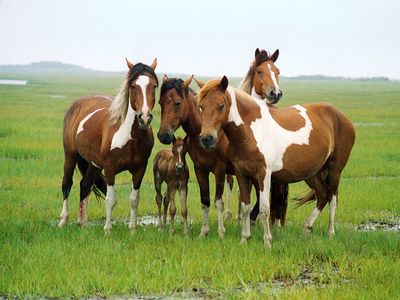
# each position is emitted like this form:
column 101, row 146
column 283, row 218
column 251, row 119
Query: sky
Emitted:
column 350, row 38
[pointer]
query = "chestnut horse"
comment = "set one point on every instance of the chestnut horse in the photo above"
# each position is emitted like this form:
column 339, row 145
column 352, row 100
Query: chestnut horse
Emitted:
column 170, row 166
column 178, row 107
column 309, row 142
column 110, row 134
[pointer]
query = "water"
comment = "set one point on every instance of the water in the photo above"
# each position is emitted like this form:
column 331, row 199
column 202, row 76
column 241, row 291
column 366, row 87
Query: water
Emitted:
column 13, row 82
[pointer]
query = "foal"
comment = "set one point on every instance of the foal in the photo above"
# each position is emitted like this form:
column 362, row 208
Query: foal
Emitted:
column 170, row 167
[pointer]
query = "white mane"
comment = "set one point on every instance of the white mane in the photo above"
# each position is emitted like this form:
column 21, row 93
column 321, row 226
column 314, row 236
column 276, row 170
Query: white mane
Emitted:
column 118, row 108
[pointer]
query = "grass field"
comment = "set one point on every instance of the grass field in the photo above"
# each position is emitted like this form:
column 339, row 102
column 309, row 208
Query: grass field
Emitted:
column 39, row 260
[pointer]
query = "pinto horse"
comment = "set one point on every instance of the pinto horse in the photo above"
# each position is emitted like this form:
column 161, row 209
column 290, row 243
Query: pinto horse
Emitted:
column 110, row 134
column 311, row 142
column 170, row 166
column 262, row 82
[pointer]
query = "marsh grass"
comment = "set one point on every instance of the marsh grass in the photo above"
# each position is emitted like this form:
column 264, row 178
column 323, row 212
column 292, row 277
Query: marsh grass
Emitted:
column 39, row 260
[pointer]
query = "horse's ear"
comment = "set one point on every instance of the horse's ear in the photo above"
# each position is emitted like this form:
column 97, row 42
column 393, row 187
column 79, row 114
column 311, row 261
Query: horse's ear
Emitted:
column 274, row 56
column 129, row 64
column 199, row 83
column 188, row 81
column 223, row 84
column 154, row 64
column 257, row 52
column 165, row 78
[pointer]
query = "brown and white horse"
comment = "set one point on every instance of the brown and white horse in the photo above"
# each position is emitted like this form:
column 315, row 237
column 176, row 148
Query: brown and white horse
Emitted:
column 305, row 142
column 110, row 134
column 170, row 166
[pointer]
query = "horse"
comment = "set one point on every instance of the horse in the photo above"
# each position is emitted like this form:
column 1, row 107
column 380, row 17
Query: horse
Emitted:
column 170, row 166
column 178, row 108
column 111, row 134
column 309, row 142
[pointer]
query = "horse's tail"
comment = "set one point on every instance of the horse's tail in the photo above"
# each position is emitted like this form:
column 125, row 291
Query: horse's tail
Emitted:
column 306, row 198
column 99, row 187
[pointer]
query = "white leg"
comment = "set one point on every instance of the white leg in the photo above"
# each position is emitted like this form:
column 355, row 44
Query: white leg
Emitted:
column 134, row 201
column 184, row 210
column 228, row 212
column 110, row 203
column 245, row 211
column 311, row 219
column 64, row 214
column 83, row 219
column 219, row 205
column 205, row 228
column 278, row 223
column 333, row 205
column 265, row 209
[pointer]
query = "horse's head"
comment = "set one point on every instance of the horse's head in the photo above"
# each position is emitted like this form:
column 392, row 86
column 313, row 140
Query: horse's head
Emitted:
column 174, row 106
column 214, row 103
column 179, row 150
column 266, row 76
column 141, row 84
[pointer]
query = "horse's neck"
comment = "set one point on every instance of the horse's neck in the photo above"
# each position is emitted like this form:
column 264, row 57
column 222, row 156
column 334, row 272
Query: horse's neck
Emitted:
column 192, row 125
column 254, row 94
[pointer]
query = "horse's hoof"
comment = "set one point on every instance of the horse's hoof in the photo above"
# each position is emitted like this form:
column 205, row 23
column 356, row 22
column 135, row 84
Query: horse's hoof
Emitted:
column 62, row 223
column 308, row 230
column 253, row 222
column 227, row 216
column 203, row 234
column 243, row 241
column 267, row 243
column 107, row 230
column 331, row 234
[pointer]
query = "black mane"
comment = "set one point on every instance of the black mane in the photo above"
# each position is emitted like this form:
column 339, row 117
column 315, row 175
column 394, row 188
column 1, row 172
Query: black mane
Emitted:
column 174, row 83
column 138, row 69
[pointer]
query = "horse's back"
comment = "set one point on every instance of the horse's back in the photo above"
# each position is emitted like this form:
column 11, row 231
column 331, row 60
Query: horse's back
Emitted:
column 161, row 162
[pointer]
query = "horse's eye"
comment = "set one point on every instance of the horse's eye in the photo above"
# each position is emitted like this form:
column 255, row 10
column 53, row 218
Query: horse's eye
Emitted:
column 177, row 103
column 259, row 72
column 221, row 107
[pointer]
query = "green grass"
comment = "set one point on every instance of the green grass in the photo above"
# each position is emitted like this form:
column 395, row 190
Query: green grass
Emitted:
column 37, row 259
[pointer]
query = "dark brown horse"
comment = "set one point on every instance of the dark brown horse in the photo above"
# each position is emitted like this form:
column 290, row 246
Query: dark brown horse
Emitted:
column 170, row 166
column 178, row 108
column 310, row 142
column 101, row 133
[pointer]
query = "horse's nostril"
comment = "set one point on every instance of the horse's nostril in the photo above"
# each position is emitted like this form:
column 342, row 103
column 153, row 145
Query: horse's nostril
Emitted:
column 207, row 140
column 140, row 117
column 150, row 118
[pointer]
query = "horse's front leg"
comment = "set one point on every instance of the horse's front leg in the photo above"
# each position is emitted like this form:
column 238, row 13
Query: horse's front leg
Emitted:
column 184, row 210
column 137, row 177
column 229, row 187
column 265, row 186
column 172, row 208
column 202, row 179
column 110, row 200
column 218, row 201
column 245, row 203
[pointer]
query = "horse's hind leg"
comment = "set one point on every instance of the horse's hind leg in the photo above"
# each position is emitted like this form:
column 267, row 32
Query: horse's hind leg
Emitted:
column 69, row 166
column 322, row 192
column 279, row 203
column 157, row 186
column 333, row 179
column 91, row 174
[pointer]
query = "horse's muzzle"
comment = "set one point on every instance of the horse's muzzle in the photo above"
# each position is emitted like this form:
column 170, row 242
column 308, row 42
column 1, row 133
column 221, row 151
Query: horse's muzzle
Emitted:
column 144, row 121
column 208, row 142
column 274, row 96
column 166, row 137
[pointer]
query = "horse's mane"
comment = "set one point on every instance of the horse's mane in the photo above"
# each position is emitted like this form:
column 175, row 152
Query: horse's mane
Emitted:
column 247, row 82
column 174, row 83
column 118, row 108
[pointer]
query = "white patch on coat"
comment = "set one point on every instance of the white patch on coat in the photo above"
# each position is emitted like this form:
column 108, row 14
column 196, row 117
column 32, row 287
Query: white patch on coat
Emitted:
column 143, row 81
column 85, row 119
column 333, row 205
column 134, row 201
column 254, row 94
column 123, row 134
column 273, row 78
column 314, row 215
column 234, row 115
column 110, row 203
column 273, row 140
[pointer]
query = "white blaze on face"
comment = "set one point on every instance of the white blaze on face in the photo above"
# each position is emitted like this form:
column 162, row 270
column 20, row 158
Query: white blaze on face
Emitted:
column 179, row 149
column 85, row 119
column 273, row 78
column 143, row 81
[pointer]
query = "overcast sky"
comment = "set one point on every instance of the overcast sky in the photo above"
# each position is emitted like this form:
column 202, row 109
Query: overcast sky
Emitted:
column 206, row 37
